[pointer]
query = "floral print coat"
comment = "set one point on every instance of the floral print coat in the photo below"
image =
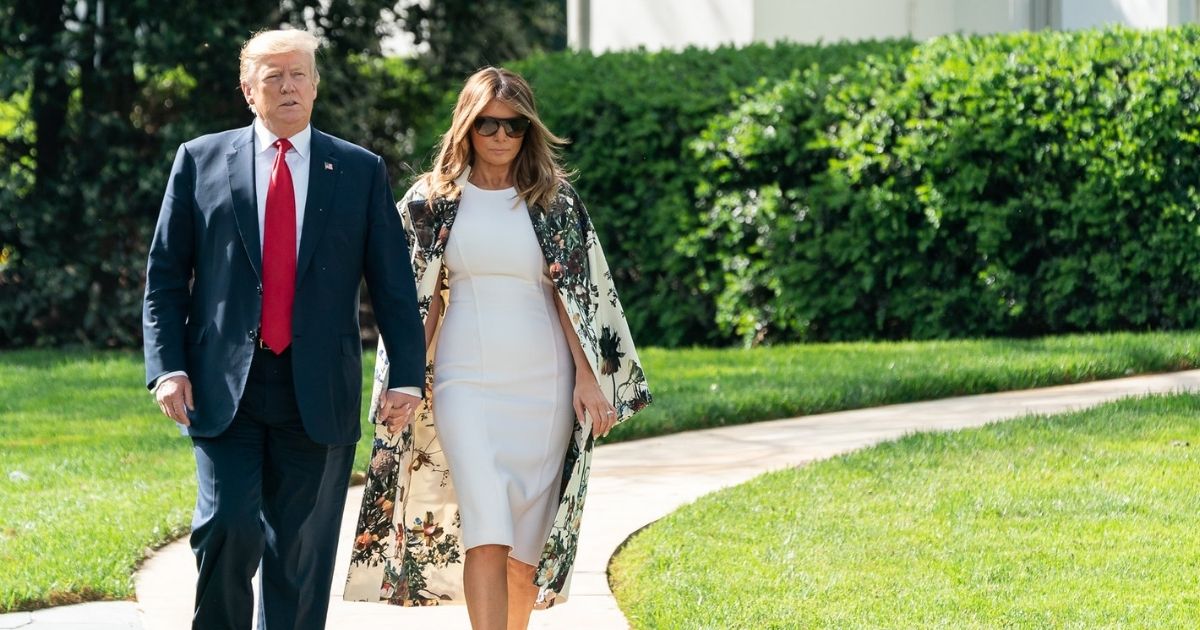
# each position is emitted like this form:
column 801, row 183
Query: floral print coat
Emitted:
column 407, row 548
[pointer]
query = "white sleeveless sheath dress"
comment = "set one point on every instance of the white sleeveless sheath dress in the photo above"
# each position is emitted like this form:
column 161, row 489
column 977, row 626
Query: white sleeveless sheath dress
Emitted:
column 503, row 377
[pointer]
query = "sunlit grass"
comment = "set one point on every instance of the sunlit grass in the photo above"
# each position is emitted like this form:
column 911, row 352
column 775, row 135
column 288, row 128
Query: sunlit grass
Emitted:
column 1086, row 520
column 91, row 474
column 696, row 388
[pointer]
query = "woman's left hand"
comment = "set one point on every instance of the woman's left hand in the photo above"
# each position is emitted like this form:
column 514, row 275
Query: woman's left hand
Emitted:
column 589, row 398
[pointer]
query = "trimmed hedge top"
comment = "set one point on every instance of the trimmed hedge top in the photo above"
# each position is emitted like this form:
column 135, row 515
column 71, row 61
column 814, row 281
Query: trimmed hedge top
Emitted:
column 1009, row 185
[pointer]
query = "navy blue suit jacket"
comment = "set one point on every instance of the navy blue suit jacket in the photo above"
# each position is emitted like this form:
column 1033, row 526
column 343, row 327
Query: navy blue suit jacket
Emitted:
column 204, row 282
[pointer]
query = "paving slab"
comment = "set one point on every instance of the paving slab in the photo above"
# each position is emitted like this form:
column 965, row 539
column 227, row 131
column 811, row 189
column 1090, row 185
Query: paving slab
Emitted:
column 89, row 616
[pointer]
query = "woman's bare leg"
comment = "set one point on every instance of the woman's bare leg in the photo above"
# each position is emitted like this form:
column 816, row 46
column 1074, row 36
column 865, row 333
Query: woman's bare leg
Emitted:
column 521, row 594
column 486, row 586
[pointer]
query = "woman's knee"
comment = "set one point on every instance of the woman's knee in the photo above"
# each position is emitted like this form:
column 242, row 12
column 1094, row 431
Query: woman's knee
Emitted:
column 489, row 552
column 520, row 568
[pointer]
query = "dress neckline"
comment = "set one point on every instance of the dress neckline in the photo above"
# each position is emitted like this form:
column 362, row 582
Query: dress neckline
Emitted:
column 492, row 190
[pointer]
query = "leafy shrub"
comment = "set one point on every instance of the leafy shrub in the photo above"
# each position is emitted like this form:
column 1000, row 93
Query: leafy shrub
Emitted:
column 1007, row 185
column 73, row 240
column 1018, row 185
column 630, row 117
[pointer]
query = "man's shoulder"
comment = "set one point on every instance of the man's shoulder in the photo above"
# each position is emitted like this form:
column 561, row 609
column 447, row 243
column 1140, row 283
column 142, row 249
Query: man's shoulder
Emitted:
column 418, row 192
column 221, row 140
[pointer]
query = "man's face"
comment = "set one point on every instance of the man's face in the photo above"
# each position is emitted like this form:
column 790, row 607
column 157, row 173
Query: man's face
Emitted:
column 281, row 89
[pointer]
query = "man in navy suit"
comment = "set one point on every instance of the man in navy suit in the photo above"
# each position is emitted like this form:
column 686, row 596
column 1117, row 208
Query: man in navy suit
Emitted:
column 252, row 336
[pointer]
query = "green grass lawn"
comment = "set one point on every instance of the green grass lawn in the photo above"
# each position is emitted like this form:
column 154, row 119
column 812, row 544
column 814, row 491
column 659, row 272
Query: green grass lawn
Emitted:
column 91, row 475
column 1086, row 520
column 698, row 388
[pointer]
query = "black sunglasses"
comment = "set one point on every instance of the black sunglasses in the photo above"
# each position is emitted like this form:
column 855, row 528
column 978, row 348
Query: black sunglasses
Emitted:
column 514, row 127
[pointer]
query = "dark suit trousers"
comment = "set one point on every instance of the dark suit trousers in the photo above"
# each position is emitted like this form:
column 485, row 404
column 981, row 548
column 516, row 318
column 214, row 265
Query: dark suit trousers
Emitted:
column 268, row 497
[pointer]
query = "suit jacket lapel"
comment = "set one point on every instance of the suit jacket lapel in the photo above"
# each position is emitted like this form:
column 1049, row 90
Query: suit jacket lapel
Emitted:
column 240, row 159
column 323, row 173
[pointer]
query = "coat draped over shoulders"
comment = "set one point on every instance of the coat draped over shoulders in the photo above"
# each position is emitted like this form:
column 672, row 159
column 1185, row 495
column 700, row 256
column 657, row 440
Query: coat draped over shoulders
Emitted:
column 407, row 548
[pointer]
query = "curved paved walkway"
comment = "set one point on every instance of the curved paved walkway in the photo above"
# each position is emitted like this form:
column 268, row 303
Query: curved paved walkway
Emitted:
column 632, row 484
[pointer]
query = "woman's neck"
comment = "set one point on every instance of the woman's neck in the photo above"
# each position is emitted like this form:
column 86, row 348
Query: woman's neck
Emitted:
column 490, row 177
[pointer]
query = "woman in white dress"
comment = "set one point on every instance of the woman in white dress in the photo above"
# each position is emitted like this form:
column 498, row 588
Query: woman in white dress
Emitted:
column 510, row 375
column 529, row 359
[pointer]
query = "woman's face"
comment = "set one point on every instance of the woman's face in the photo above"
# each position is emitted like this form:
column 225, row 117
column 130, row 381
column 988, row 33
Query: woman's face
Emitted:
column 499, row 149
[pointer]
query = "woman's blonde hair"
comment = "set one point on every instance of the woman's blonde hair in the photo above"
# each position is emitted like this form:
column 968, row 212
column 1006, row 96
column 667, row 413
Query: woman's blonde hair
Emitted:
column 265, row 43
column 536, row 169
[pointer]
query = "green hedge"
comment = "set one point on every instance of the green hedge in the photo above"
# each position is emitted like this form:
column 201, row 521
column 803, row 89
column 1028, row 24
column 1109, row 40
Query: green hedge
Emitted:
column 630, row 117
column 1008, row 185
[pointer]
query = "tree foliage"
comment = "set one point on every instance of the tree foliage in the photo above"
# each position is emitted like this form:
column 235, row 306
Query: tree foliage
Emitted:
column 95, row 96
column 630, row 118
column 461, row 36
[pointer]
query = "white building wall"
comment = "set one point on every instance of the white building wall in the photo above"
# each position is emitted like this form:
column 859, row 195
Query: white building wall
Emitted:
column 1078, row 14
column 821, row 20
column 992, row 16
column 813, row 20
column 675, row 24
column 1182, row 11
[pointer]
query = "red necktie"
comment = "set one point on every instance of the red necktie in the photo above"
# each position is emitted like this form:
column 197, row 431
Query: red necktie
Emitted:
column 279, row 254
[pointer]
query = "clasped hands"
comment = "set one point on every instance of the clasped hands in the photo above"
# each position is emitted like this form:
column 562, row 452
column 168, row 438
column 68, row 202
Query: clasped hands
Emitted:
column 396, row 409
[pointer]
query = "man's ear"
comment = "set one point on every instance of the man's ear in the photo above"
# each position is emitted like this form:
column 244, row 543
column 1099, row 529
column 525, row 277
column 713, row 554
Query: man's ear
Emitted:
column 246, row 92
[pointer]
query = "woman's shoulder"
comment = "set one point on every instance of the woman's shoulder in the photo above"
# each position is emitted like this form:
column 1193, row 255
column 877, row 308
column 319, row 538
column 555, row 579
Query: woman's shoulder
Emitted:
column 418, row 192
column 564, row 193
column 415, row 209
column 565, row 187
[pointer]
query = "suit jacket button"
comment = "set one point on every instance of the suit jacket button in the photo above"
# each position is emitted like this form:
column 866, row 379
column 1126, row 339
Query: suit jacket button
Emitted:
column 253, row 334
column 260, row 289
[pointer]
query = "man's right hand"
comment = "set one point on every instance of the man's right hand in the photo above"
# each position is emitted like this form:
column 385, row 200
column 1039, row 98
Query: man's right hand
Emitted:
column 174, row 397
column 396, row 409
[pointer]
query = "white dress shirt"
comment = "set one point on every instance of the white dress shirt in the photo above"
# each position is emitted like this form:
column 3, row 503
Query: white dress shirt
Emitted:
column 298, row 159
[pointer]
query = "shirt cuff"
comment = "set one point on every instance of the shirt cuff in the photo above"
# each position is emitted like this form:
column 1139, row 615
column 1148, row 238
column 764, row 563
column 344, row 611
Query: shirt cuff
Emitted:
column 411, row 391
column 162, row 379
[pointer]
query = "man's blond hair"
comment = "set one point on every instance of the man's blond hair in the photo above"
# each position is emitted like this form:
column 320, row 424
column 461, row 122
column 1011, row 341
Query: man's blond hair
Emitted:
column 265, row 43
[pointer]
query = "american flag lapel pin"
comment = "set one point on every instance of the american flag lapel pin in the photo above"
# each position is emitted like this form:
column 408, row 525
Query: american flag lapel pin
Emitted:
column 329, row 166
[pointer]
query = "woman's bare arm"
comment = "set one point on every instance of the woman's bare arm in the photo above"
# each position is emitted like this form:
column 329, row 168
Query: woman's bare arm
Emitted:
column 587, row 396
